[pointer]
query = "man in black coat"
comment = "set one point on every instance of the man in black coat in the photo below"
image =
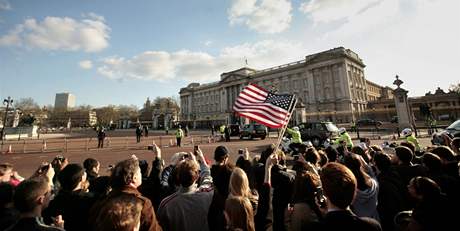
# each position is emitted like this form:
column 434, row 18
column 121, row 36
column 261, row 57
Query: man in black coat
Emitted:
column 138, row 133
column 100, row 137
column 339, row 185
column 227, row 134
column 31, row 197
column 72, row 200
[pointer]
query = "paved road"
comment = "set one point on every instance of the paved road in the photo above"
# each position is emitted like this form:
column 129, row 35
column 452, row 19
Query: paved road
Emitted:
column 26, row 163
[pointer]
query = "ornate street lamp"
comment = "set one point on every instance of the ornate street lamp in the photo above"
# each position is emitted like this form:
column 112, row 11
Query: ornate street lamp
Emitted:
column 8, row 102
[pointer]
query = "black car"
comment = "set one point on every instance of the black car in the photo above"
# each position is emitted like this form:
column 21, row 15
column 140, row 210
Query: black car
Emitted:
column 394, row 119
column 234, row 129
column 253, row 131
column 454, row 129
column 318, row 132
column 368, row 122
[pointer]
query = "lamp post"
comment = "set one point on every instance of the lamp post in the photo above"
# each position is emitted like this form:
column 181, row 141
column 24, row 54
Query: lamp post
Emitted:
column 19, row 114
column 8, row 101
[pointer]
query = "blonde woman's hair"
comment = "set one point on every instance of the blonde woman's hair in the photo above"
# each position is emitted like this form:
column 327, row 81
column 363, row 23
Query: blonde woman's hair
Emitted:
column 239, row 184
column 240, row 214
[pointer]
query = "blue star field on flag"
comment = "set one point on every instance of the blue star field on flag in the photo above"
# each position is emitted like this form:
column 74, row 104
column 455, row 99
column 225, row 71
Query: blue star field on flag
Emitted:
column 282, row 101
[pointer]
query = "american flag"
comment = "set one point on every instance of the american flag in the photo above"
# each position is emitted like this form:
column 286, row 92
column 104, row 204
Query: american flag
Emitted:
column 262, row 106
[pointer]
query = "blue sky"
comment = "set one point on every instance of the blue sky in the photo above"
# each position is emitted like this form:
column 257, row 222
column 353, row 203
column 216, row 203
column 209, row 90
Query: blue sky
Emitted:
column 121, row 52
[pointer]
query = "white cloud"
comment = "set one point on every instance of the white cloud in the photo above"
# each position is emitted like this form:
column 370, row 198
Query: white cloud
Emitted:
column 269, row 16
column 417, row 39
column 330, row 10
column 54, row 33
column 5, row 5
column 199, row 66
column 86, row 64
column 94, row 16
column 13, row 37
column 208, row 43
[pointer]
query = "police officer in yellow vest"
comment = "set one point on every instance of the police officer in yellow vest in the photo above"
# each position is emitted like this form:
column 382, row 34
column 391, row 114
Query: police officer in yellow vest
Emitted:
column 296, row 139
column 222, row 131
column 344, row 137
column 179, row 135
column 407, row 133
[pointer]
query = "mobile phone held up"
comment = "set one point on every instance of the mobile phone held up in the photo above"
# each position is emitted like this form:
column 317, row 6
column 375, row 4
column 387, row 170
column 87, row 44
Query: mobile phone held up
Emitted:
column 320, row 197
column 240, row 151
column 44, row 167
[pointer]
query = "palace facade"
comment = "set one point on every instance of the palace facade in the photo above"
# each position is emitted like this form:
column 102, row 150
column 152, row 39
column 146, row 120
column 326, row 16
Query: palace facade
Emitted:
column 330, row 85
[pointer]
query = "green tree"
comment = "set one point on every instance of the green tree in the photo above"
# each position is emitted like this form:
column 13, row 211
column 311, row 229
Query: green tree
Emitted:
column 27, row 120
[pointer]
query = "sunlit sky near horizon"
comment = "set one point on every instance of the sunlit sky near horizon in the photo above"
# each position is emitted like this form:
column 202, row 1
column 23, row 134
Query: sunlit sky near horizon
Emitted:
column 121, row 52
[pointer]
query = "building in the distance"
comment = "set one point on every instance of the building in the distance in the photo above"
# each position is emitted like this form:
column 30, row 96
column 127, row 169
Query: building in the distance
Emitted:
column 79, row 118
column 441, row 106
column 330, row 85
column 377, row 92
column 160, row 114
column 64, row 101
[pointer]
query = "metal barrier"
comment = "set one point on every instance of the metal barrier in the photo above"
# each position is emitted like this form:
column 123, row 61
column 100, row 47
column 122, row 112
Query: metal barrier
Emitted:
column 91, row 144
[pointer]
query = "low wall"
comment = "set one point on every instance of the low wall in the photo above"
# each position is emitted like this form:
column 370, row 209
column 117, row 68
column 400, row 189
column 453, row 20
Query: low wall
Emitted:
column 21, row 132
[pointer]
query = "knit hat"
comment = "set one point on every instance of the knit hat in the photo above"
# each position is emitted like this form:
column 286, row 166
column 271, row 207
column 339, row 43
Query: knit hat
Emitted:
column 220, row 153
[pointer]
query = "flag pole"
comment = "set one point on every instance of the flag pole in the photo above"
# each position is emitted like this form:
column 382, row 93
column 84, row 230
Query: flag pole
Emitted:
column 283, row 129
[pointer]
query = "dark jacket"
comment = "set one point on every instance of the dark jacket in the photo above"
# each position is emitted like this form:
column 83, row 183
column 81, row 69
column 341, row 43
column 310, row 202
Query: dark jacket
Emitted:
column 101, row 135
column 347, row 220
column 148, row 218
column 391, row 198
column 301, row 216
column 216, row 217
column 91, row 176
column 407, row 172
column 435, row 214
column 8, row 216
column 262, row 220
column 32, row 224
column 150, row 187
column 282, row 183
column 138, row 131
column 167, row 181
column 73, row 206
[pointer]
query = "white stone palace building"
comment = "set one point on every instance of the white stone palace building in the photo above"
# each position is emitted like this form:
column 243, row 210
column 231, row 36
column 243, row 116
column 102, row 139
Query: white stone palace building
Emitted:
column 330, row 85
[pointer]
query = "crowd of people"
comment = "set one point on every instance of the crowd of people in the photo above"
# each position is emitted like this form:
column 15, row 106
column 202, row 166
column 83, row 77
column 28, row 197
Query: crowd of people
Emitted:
column 349, row 186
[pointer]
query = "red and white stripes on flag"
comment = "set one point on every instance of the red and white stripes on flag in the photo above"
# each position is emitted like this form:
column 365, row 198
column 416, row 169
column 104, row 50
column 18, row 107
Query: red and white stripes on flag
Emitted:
column 262, row 106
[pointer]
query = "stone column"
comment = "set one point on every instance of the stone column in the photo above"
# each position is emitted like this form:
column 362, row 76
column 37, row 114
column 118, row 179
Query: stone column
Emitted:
column 16, row 117
column 402, row 105
column 167, row 119
column 155, row 121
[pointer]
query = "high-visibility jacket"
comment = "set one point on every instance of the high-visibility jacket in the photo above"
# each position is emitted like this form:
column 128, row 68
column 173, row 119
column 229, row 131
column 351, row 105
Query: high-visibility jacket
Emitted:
column 179, row 133
column 413, row 140
column 296, row 137
column 222, row 129
column 346, row 138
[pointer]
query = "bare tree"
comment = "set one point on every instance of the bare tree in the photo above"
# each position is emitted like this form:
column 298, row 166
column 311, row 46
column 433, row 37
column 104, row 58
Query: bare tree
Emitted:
column 106, row 114
column 27, row 105
column 455, row 88
column 128, row 111
column 166, row 103
column 84, row 107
